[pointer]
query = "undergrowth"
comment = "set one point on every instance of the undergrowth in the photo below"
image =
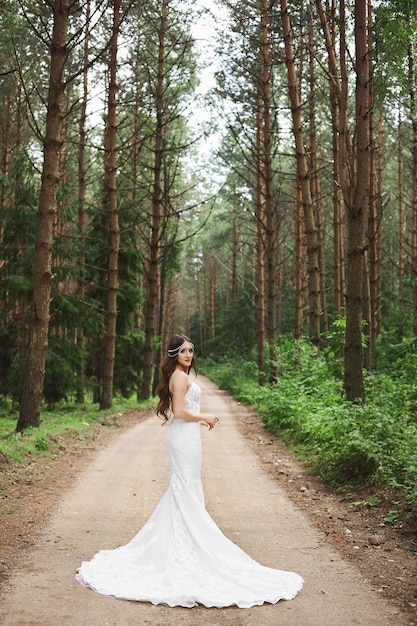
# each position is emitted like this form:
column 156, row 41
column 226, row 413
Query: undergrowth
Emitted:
column 372, row 443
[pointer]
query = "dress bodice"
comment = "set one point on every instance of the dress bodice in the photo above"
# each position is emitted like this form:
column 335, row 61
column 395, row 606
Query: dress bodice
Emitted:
column 192, row 398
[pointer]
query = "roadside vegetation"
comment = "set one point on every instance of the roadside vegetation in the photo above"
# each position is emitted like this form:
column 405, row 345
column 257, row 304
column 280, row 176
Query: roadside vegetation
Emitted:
column 347, row 444
column 59, row 426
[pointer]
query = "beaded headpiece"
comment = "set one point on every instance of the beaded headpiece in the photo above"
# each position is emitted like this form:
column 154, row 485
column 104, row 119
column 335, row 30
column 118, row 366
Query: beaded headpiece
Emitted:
column 175, row 351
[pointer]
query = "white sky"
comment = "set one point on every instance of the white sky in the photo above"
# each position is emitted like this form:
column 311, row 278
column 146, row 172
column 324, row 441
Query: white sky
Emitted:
column 205, row 33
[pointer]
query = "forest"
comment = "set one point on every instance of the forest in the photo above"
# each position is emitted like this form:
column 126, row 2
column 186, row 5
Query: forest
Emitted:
column 243, row 173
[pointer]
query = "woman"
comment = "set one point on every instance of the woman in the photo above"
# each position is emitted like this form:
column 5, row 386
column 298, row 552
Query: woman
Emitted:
column 180, row 557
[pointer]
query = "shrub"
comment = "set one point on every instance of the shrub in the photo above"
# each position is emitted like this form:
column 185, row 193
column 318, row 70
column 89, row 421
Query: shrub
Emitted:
column 341, row 441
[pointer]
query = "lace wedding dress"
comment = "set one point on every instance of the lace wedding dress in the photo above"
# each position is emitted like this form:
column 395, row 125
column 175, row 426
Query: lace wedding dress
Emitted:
column 180, row 557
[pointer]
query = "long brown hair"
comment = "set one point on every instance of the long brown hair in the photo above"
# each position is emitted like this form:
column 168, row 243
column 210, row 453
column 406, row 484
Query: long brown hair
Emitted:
column 167, row 368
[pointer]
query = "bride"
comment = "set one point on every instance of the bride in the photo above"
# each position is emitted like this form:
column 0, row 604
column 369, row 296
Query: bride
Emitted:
column 180, row 557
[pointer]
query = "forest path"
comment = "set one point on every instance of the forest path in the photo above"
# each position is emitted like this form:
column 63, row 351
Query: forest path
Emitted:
column 115, row 495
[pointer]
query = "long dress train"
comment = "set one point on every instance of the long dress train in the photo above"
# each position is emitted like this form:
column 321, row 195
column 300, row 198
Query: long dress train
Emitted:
column 180, row 557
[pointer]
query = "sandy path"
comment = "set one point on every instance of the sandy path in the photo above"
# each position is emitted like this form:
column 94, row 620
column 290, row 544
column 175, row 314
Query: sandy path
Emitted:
column 116, row 494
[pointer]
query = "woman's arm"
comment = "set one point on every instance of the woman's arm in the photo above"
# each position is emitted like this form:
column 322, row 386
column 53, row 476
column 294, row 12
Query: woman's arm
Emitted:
column 178, row 386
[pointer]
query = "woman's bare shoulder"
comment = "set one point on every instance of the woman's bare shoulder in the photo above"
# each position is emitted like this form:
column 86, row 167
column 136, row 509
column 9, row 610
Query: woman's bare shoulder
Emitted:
column 179, row 380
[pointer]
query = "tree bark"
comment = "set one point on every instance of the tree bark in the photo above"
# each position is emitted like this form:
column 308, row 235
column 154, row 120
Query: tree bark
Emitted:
column 260, row 248
column 234, row 290
column 328, row 24
column 79, row 337
column 151, row 306
column 357, row 214
column 270, row 226
column 371, row 312
column 161, row 317
column 6, row 149
column 110, row 154
column 379, row 213
column 413, row 115
column 33, row 378
column 299, row 264
column 200, row 313
column 315, row 178
column 303, row 174
column 400, row 215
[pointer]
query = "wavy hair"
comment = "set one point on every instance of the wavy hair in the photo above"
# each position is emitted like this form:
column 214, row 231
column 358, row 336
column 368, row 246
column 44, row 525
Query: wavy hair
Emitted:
column 167, row 368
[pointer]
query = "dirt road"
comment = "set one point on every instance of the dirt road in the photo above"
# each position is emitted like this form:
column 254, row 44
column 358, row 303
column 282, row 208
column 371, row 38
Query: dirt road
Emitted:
column 116, row 494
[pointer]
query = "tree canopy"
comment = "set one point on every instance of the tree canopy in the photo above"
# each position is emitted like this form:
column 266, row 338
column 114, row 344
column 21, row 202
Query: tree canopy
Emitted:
column 236, row 172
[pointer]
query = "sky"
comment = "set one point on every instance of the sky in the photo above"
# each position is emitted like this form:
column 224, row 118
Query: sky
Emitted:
column 205, row 32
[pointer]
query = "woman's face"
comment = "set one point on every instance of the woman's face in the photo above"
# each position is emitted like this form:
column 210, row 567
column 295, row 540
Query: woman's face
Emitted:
column 185, row 356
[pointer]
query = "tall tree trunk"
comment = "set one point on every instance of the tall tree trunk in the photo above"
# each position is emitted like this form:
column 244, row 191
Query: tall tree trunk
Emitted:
column 315, row 178
column 299, row 263
column 110, row 154
column 80, row 339
column 136, row 181
column 270, row 226
column 169, row 325
column 212, row 296
column 400, row 216
column 322, row 256
column 366, row 311
column 200, row 315
column 413, row 115
column 235, row 248
column 379, row 210
column 33, row 379
column 281, row 287
column 303, row 177
column 347, row 163
column 6, row 149
column 151, row 306
column 370, row 313
column 260, row 248
column 328, row 23
column 354, row 180
column 161, row 316
column 357, row 214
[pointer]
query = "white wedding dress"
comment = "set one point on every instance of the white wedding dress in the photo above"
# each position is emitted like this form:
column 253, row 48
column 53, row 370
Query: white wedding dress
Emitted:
column 180, row 557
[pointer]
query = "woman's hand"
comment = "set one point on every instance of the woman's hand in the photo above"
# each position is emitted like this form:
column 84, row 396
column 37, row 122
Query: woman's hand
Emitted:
column 210, row 421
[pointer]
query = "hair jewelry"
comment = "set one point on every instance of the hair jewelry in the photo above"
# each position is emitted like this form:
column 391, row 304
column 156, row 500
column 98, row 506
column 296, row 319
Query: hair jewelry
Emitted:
column 175, row 351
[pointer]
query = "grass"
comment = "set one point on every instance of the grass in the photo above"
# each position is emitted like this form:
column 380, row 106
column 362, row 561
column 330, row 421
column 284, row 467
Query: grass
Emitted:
column 66, row 421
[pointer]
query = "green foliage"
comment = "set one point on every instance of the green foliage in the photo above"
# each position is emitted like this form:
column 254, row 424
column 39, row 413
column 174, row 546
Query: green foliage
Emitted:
column 232, row 374
column 395, row 30
column 60, row 373
column 129, row 360
column 396, row 358
column 41, row 442
column 58, row 428
column 340, row 441
column 16, row 285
